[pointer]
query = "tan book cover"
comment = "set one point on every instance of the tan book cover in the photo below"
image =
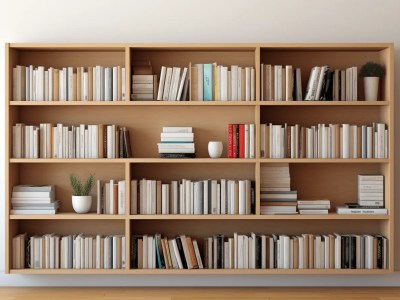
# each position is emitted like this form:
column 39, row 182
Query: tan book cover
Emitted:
column 243, row 92
column 306, row 251
column 267, row 144
column 194, row 72
column 100, row 146
column 331, row 251
column 375, row 253
column 289, row 83
column 248, row 197
column 79, row 84
column 236, row 197
column 155, row 87
column 192, row 254
column 168, row 254
column 186, row 252
column 158, row 198
column 270, row 83
column 283, row 79
column 295, row 252
column 115, row 199
column 118, row 254
column 206, row 254
column 119, row 83
column 359, row 142
column 74, row 87
column 90, row 85
column 337, row 140
column 56, row 82
column 134, row 197
column 140, row 253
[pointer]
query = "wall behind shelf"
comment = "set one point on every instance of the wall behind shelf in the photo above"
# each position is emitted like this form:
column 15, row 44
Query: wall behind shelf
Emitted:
column 181, row 21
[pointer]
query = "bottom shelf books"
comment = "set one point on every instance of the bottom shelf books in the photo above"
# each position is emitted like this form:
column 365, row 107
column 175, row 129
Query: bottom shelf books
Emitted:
column 306, row 251
column 68, row 252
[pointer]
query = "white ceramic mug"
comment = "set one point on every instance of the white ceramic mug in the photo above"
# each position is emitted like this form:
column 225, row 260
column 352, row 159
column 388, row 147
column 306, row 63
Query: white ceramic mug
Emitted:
column 215, row 149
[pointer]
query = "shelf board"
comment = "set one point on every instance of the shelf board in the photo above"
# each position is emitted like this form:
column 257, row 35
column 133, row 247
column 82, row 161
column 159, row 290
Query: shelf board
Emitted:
column 326, row 160
column 133, row 160
column 330, row 216
column 68, row 216
column 133, row 103
column 203, row 271
column 325, row 103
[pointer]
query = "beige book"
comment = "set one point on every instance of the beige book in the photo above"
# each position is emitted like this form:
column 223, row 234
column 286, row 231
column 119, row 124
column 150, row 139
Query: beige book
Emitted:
column 186, row 252
column 359, row 142
column 270, row 83
column 115, row 199
column 243, row 92
column 133, row 196
column 79, row 84
column 283, row 80
column 267, row 145
column 311, row 243
column 194, row 72
column 192, row 254
column 100, row 146
column 74, row 87
column 248, row 197
column 168, row 253
column 331, row 251
column 155, row 87
column 119, row 252
column 119, row 83
column 295, row 253
column 289, row 83
column 90, row 80
column 236, row 197
column 56, row 92
column 158, row 198
column 306, row 251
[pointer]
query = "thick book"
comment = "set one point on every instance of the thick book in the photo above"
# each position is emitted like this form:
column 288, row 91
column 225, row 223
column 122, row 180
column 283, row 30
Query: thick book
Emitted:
column 360, row 211
column 178, row 155
column 207, row 82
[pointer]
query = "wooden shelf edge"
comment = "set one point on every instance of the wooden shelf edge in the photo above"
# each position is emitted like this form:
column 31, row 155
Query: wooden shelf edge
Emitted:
column 133, row 103
column 326, row 160
column 325, row 103
column 68, row 216
column 203, row 271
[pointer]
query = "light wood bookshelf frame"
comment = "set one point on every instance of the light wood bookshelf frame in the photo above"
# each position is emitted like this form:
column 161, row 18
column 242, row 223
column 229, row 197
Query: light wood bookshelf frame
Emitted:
column 204, row 116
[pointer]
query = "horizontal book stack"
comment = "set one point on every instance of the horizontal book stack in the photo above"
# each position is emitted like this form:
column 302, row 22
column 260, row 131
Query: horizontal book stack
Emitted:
column 97, row 83
column 254, row 251
column 174, row 84
column 156, row 252
column 241, row 140
column 177, row 142
column 144, row 87
column 324, row 141
column 34, row 200
column 111, row 197
column 60, row 141
column 276, row 196
column 327, row 84
column 280, row 83
column 313, row 207
column 193, row 197
column 52, row 251
column 212, row 82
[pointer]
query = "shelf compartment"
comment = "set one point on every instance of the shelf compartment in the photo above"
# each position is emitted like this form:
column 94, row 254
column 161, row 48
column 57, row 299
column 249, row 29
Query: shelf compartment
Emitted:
column 58, row 175
column 336, row 57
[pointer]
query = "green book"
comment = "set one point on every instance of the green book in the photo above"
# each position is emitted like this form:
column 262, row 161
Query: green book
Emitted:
column 207, row 82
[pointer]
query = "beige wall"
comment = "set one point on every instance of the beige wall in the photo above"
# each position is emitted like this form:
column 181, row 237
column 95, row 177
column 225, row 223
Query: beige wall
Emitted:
column 199, row 21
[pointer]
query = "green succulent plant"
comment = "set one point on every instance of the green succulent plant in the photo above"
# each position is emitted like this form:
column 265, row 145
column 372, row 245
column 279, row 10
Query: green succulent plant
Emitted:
column 80, row 189
column 372, row 69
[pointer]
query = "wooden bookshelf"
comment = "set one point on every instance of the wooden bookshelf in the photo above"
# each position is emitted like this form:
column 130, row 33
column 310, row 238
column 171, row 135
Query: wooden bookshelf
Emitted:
column 335, row 179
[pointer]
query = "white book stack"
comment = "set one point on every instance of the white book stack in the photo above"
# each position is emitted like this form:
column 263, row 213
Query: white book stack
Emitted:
column 371, row 190
column 193, row 197
column 177, row 142
column 52, row 251
column 111, row 197
column 313, row 207
column 34, row 200
column 97, row 83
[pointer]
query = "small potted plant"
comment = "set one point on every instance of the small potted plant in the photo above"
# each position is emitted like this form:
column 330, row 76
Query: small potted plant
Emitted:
column 371, row 72
column 81, row 198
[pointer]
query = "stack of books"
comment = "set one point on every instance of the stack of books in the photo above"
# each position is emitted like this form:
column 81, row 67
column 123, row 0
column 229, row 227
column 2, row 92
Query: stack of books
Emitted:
column 280, row 83
column 97, row 83
column 212, row 82
column 370, row 197
column 111, row 197
column 324, row 141
column 174, row 84
column 241, row 140
column 144, row 87
column 313, row 207
column 177, row 142
column 34, row 200
column 276, row 196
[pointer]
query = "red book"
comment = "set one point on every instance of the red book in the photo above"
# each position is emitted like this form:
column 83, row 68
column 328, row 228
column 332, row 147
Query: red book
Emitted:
column 235, row 137
column 230, row 140
column 241, row 140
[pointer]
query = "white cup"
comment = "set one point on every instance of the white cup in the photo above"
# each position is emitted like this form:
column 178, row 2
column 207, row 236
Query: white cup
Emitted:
column 215, row 149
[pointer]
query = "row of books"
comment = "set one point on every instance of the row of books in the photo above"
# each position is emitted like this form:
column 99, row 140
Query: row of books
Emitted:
column 30, row 199
column 52, row 251
column 193, row 197
column 69, row 84
column 324, row 141
column 60, row 141
column 174, row 84
column 177, row 142
column 241, row 140
column 213, row 82
column 111, row 197
column 305, row 251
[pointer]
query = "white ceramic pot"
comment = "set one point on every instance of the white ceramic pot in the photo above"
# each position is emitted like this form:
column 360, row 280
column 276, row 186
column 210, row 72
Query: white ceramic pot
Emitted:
column 81, row 204
column 215, row 149
column 371, row 85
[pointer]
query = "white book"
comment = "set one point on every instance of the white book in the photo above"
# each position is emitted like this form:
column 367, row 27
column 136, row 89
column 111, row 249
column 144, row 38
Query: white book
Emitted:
column 70, row 83
column 234, row 83
column 200, row 78
column 161, row 84
column 46, row 85
column 247, row 141
column 177, row 129
column 123, row 83
column 252, row 141
column 121, row 197
column 115, row 83
column 40, row 83
column 242, row 197
column 174, row 84
column 205, row 197
column 224, row 83
column 345, row 141
column 248, row 83
column 165, row 199
column 108, row 83
column 181, row 84
column 252, row 85
column 167, row 84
